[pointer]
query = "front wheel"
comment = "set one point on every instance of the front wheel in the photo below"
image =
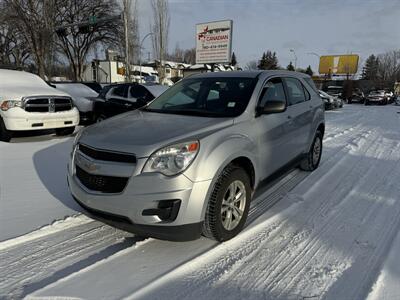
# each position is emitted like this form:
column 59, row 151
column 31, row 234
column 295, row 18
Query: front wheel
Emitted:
column 65, row 131
column 5, row 135
column 313, row 157
column 228, row 205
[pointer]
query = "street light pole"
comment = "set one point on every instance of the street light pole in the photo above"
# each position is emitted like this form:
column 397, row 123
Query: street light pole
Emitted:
column 295, row 58
column 140, row 55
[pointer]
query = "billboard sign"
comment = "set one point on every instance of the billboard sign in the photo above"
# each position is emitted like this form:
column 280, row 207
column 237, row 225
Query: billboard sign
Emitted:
column 338, row 64
column 214, row 42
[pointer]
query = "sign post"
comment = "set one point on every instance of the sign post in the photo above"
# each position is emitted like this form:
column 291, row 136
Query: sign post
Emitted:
column 214, row 42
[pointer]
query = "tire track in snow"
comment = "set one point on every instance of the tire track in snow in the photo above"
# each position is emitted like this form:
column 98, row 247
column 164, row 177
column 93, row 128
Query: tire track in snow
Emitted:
column 28, row 266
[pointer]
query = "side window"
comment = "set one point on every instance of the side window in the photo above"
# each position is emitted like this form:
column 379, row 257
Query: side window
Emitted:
column 137, row 91
column 272, row 91
column 119, row 91
column 295, row 91
column 307, row 93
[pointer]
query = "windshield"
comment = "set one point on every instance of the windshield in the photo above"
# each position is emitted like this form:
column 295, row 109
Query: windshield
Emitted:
column 209, row 97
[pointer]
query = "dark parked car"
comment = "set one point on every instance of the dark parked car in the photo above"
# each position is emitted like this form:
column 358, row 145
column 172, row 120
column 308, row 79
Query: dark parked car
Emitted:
column 356, row 96
column 125, row 97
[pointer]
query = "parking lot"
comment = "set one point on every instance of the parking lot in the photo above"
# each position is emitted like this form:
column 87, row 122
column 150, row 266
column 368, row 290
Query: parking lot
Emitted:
column 328, row 233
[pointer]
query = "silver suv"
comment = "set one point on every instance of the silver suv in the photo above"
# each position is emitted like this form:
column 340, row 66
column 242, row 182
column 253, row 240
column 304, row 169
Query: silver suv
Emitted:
column 188, row 163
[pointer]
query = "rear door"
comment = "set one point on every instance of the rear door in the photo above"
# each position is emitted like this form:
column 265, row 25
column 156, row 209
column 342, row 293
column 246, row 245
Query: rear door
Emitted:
column 117, row 101
column 299, row 115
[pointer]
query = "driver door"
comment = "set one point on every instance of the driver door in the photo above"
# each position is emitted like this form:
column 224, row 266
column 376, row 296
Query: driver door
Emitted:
column 272, row 130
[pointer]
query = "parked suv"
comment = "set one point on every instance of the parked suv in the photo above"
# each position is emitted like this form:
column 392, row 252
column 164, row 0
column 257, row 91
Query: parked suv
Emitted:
column 188, row 163
column 29, row 103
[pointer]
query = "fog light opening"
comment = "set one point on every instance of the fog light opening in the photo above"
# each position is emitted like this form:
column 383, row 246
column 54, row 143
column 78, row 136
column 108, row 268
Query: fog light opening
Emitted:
column 167, row 210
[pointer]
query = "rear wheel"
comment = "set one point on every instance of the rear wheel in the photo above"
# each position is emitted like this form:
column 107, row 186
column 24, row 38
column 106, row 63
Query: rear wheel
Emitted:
column 228, row 205
column 5, row 135
column 100, row 118
column 65, row 131
column 313, row 157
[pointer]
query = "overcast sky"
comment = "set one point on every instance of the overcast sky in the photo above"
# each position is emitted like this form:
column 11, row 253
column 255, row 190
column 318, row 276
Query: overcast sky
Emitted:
column 325, row 27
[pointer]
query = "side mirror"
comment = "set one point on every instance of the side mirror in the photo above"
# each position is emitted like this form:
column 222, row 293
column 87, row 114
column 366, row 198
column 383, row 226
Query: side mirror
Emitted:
column 272, row 107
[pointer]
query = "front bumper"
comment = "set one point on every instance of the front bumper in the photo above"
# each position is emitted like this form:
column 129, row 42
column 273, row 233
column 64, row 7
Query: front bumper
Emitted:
column 18, row 119
column 129, row 209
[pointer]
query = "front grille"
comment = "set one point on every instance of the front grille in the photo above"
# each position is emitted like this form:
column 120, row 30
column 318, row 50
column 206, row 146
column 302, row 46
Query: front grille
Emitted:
column 99, row 183
column 47, row 104
column 107, row 155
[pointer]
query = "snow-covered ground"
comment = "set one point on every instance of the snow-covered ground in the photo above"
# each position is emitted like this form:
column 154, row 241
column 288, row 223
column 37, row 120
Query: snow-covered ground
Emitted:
column 326, row 235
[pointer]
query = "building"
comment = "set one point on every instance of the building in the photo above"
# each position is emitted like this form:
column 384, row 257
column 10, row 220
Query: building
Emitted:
column 173, row 70
column 202, row 68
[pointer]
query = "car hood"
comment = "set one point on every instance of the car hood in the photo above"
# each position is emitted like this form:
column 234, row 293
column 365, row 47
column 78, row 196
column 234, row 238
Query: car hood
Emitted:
column 142, row 133
column 18, row 92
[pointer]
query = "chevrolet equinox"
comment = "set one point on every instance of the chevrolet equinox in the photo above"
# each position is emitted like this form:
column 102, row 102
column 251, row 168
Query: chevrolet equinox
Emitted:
column 188, row 162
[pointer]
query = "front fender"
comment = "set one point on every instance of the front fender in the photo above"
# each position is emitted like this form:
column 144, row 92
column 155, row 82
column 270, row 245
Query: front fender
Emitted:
column 214, row 158
column 318, row 119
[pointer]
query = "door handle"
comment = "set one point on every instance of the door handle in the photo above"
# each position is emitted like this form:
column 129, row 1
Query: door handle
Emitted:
column 289, row 117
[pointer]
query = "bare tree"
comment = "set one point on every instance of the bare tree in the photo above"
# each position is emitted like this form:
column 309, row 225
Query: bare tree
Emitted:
column 187, row 56
column 160, row 28
column 389, row 66
column 13, row 49
column 190, row 56
column 252, row 65
column 33, row 20
column 77, row 44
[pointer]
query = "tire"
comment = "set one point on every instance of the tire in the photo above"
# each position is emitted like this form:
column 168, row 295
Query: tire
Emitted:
column 5, row 135
column 313, row 157
column 100, row 118
column 65, row 131
column 348, row 101
column 366, row 103
column 216, row 223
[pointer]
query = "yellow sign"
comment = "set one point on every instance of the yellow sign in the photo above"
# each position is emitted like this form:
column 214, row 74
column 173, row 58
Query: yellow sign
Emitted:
column 338, row 64
column 121, row 71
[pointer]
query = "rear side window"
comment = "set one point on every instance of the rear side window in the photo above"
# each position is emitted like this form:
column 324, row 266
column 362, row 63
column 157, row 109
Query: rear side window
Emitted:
column 272, row 91
column 120, row 91
column 295, row 91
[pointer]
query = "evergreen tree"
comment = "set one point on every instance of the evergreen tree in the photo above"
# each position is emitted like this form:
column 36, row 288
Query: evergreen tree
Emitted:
column 262, row 63
column 233, row 59
column 370, row 70
column 290, row 67
column 309, row 71
column 269, row 61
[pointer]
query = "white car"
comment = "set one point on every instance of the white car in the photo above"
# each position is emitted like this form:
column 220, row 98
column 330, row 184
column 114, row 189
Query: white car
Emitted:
column 83, row 97
column 28, row 103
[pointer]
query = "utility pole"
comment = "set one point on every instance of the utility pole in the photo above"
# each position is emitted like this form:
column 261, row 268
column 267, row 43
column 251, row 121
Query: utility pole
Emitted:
column 126, row 31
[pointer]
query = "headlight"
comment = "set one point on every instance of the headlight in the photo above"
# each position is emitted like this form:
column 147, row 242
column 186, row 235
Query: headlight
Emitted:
column 173, row 159
column 77, row 137
column 6, row 105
